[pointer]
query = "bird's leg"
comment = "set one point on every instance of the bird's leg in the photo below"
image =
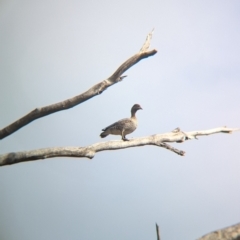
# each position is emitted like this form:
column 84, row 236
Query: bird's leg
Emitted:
column 124, row 137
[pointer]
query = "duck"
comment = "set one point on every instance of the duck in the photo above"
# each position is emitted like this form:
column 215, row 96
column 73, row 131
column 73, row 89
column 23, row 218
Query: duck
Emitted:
column 124, row 126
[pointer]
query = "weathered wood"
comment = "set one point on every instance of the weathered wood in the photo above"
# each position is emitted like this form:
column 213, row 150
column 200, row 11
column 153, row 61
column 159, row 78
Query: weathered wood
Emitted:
column 228, row 233
column 89, row 152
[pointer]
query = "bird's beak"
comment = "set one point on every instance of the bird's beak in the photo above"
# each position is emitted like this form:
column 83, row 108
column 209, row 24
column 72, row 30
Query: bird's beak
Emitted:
column 140, row 108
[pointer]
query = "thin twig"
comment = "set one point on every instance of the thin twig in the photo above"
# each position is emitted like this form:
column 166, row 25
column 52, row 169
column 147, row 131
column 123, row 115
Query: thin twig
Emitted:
column 158, row 232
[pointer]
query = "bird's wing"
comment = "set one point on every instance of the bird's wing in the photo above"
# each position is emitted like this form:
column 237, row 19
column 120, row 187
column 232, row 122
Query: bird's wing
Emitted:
column 118, row 125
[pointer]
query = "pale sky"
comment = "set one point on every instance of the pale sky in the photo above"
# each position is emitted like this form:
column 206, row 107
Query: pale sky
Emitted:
column 54, row 50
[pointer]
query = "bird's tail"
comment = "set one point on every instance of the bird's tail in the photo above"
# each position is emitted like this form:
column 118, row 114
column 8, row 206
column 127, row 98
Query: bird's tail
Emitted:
column 103, row 134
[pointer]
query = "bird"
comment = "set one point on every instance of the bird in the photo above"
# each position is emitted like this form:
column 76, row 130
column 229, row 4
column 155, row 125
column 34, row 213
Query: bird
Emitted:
column 124, row 126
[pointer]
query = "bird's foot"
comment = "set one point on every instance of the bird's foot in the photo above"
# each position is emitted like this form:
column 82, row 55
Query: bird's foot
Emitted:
column 125, row 139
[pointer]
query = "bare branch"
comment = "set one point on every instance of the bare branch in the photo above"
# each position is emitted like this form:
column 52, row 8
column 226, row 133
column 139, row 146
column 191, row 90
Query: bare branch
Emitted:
column 229, row 233
column 158, row 232
column 89, row 152
column 146, row 45
column 72, row 102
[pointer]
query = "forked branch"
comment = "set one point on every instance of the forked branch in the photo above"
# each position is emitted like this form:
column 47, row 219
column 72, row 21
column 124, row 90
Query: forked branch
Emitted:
column 92, row 92
column 159, row 140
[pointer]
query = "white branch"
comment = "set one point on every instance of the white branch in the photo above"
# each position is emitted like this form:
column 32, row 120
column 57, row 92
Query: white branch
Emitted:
column 146, row 45
column 159, row 140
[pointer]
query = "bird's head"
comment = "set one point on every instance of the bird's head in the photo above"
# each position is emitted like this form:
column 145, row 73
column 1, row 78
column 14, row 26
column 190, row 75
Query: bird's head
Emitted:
column 135, row 107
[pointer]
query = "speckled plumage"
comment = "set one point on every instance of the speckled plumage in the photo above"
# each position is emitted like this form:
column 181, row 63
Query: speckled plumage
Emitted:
column 124, row 126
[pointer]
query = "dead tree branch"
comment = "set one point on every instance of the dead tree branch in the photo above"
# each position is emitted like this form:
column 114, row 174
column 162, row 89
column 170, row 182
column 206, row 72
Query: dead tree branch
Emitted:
column 159, row 140
column 92, row 92
column 229, row 233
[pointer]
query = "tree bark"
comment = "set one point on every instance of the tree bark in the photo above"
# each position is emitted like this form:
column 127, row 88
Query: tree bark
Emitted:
column 159, row 140
column 228, row 233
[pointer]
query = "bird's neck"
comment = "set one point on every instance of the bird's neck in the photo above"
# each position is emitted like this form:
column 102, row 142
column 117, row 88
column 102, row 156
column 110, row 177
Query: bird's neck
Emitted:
column 133, row 114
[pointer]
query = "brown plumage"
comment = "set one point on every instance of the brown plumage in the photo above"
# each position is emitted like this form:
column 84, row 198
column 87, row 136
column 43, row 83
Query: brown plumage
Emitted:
column 124, row 126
